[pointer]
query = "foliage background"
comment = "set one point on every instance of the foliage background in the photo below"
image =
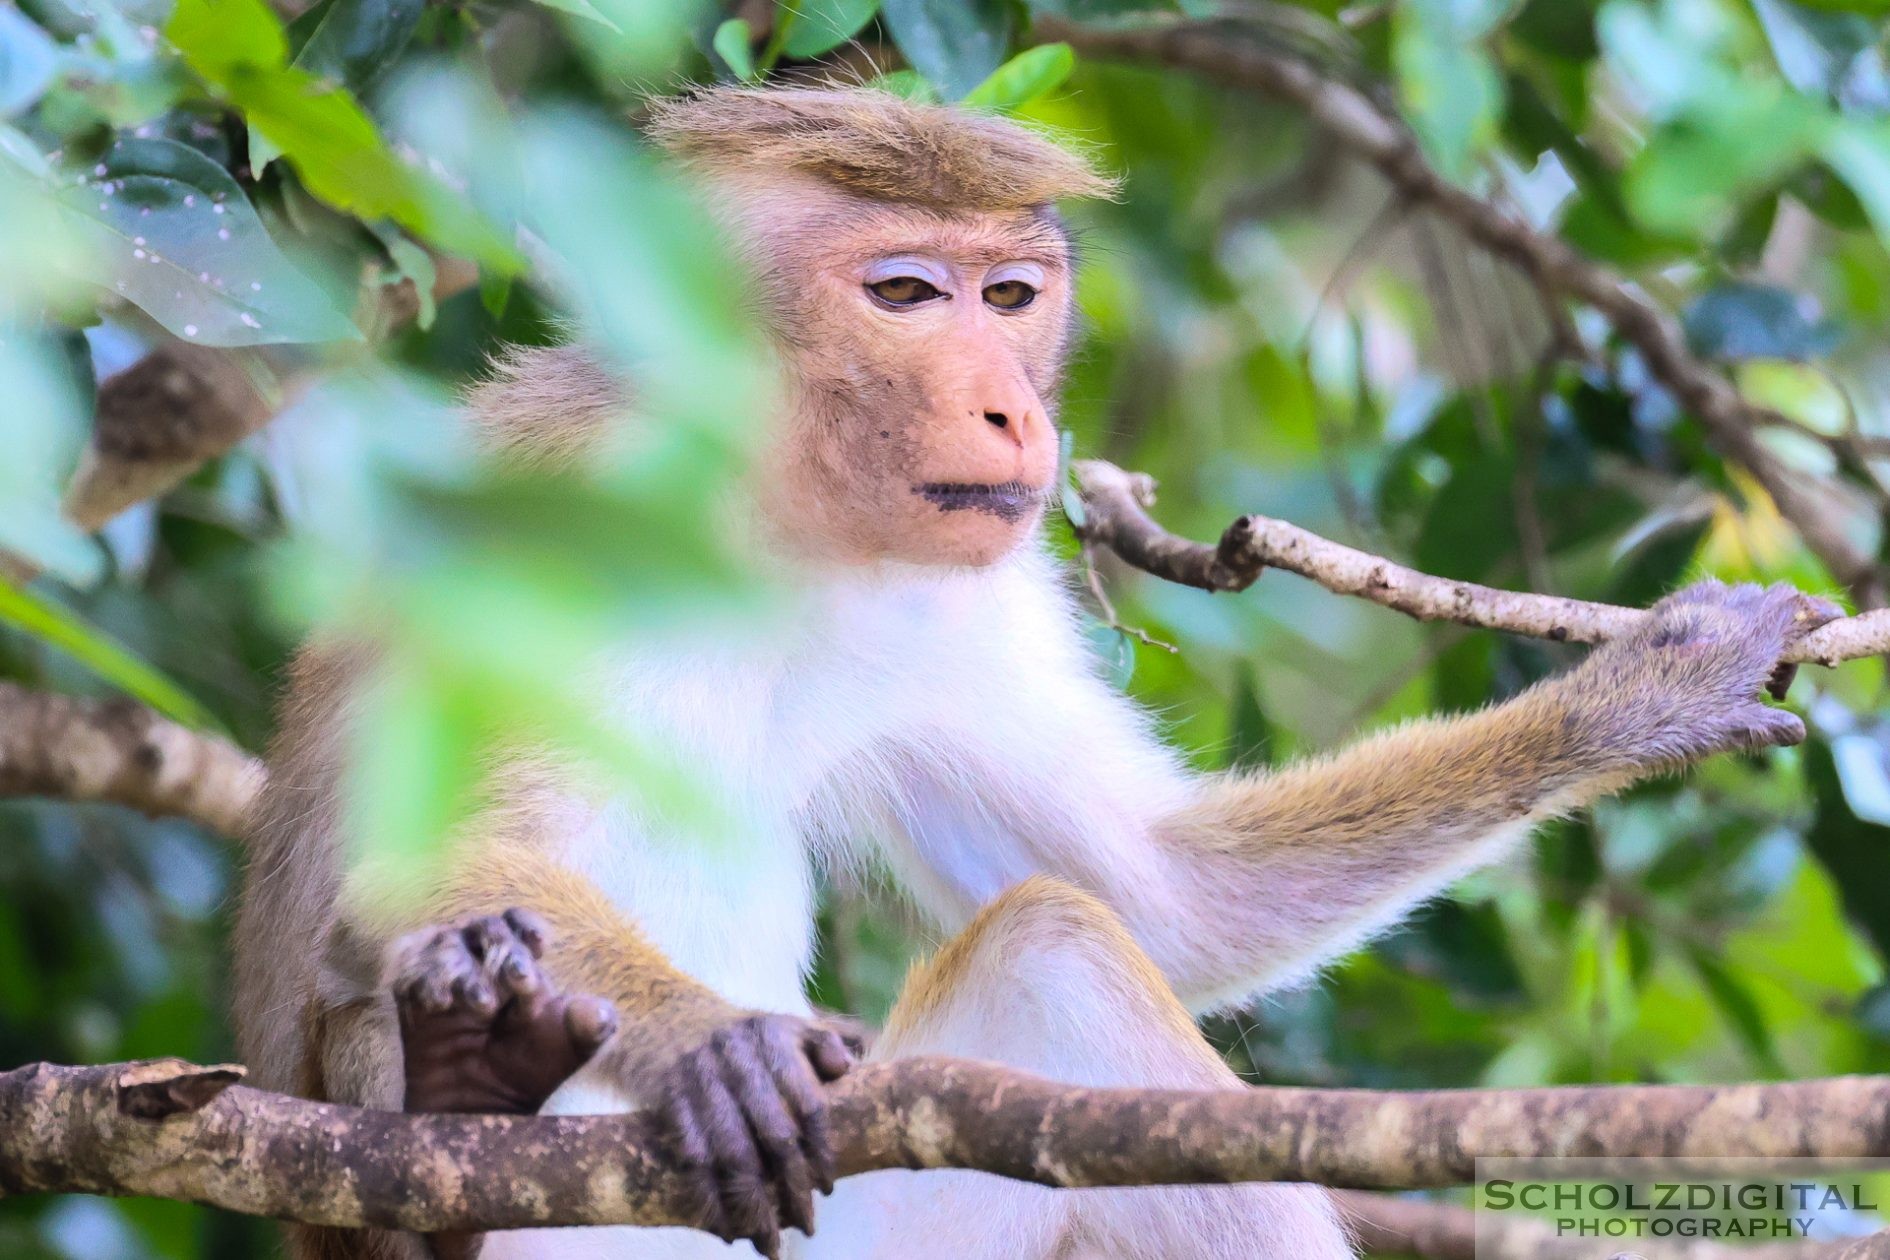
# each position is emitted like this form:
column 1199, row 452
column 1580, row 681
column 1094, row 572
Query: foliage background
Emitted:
column 1265, row 330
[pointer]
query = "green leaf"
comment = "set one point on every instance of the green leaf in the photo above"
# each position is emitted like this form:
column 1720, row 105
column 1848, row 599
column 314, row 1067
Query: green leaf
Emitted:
column 1690, row 175
column 734, row 44
column 909, row 84
column 1449, row 88
column 1081, row 9
column 1860, row 153
column 27, row 61
column 1849, row 847
column 954, row 43
column 1746, row 320
column 816, row 27
column 350, row 42
column 100, row 653
column 170, row 230
column 1815, row 50
column 583, row 9
column 1736, row 1002
column 1025, row 77
column 323, row 131
column 354, row 42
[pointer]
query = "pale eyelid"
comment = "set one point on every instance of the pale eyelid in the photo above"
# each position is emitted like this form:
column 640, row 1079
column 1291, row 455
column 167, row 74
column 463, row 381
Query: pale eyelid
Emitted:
column 1025, row 272
column 933, row 273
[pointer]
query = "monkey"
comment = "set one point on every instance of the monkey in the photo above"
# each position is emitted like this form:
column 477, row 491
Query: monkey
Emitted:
column 928, row 707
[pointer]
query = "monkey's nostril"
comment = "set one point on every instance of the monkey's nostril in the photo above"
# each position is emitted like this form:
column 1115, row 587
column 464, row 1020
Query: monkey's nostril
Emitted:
column 998, row 419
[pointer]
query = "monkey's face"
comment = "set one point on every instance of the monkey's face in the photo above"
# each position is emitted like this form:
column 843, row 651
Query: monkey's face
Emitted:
column 921, row 348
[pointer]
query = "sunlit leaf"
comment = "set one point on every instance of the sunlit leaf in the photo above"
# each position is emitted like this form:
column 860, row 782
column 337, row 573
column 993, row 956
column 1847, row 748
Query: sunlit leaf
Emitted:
column 1024, row 78
column 733, row 43
column 322, row 129
column 351, row 42
column 168, row 229
column 99, row 652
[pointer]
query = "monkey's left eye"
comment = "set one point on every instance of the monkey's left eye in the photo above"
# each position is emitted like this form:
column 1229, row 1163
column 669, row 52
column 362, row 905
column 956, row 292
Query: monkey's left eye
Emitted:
column 1010, row 295
column 903, row 290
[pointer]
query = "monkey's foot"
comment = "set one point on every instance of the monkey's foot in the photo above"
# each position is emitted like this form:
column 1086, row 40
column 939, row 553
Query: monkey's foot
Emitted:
column 482, row 1028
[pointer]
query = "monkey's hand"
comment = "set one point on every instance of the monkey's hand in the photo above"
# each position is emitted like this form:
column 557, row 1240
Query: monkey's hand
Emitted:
column 482, row 1029
column 1689, row 682
column 747, row 1122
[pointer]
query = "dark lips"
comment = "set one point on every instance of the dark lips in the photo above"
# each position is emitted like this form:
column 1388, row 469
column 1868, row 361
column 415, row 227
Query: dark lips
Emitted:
column 1008, row 500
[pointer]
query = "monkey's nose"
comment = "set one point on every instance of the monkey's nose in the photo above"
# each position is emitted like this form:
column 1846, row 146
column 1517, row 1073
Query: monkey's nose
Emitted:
column 997, row 419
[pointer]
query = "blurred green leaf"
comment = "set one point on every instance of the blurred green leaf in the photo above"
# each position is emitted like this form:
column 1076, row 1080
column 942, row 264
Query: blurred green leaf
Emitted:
column 1741, row 1009
column 1025, row 77
column 956, row 44
column 1815, row 49
column 1745, row 320
column 1447, row 83
column 54, row 625
column 27, row 61
column 909, row 84
column 817, row 27
column 584, row 9
column 168, row 229
column 1851, row 849
column 734, row 45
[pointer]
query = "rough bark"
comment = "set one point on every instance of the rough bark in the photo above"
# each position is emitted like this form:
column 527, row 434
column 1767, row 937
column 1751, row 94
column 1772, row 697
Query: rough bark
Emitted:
column 1232, row 52
column 1115, row 516
column 178, row 1131
column 121, row 752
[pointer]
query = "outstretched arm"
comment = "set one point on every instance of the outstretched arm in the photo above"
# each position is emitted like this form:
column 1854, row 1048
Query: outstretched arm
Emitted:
column 1270, row 875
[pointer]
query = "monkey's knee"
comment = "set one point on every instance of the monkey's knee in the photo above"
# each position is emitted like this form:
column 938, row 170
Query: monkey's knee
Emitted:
column 1047, row 978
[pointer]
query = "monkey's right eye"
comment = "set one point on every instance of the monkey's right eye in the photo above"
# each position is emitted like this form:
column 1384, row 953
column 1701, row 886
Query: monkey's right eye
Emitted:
column 903, row 291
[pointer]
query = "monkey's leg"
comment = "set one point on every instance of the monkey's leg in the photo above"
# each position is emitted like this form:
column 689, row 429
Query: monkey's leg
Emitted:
column 1046, row 979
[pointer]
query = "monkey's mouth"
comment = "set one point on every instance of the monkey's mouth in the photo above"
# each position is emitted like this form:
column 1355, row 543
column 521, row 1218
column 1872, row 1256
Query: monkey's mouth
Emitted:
column 1009, row 500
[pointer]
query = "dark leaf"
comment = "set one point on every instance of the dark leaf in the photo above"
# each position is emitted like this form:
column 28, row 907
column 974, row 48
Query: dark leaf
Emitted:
column 815, row 27
column 168, row 229
column 954, row 43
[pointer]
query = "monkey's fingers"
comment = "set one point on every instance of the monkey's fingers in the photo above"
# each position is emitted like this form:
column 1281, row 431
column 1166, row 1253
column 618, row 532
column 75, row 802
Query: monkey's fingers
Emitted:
column 748, row 1210
column 589, row 1022
column 821, row 1055
column 1774, row 728
column 751, row 1074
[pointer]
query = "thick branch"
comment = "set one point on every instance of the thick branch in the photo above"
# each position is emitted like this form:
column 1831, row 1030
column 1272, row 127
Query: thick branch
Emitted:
column 1115, row 516
column 1229, row 51
column 177, row 1131
column 121, row 752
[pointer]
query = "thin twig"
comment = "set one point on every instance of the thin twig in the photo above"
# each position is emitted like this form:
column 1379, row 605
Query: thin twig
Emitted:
column 1115, row 515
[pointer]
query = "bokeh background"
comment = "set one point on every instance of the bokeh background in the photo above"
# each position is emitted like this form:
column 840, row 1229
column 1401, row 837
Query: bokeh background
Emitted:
column 1266, row 327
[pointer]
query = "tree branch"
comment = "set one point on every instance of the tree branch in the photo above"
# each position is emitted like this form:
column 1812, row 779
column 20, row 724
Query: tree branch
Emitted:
column 174, row 1130
column 121, row 752
column 1229, row 51
column 1115, row 516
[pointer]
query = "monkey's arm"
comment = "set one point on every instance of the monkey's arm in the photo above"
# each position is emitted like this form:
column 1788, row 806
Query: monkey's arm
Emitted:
column 738, row 1091
column 1270, row 875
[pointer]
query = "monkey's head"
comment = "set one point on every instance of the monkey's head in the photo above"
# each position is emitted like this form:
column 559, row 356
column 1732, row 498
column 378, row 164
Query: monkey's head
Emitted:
column 917, row 284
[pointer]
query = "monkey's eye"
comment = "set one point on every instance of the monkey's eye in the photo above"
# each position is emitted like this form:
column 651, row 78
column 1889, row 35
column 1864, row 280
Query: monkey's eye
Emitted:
column 1010, row 295
column 903, row 291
